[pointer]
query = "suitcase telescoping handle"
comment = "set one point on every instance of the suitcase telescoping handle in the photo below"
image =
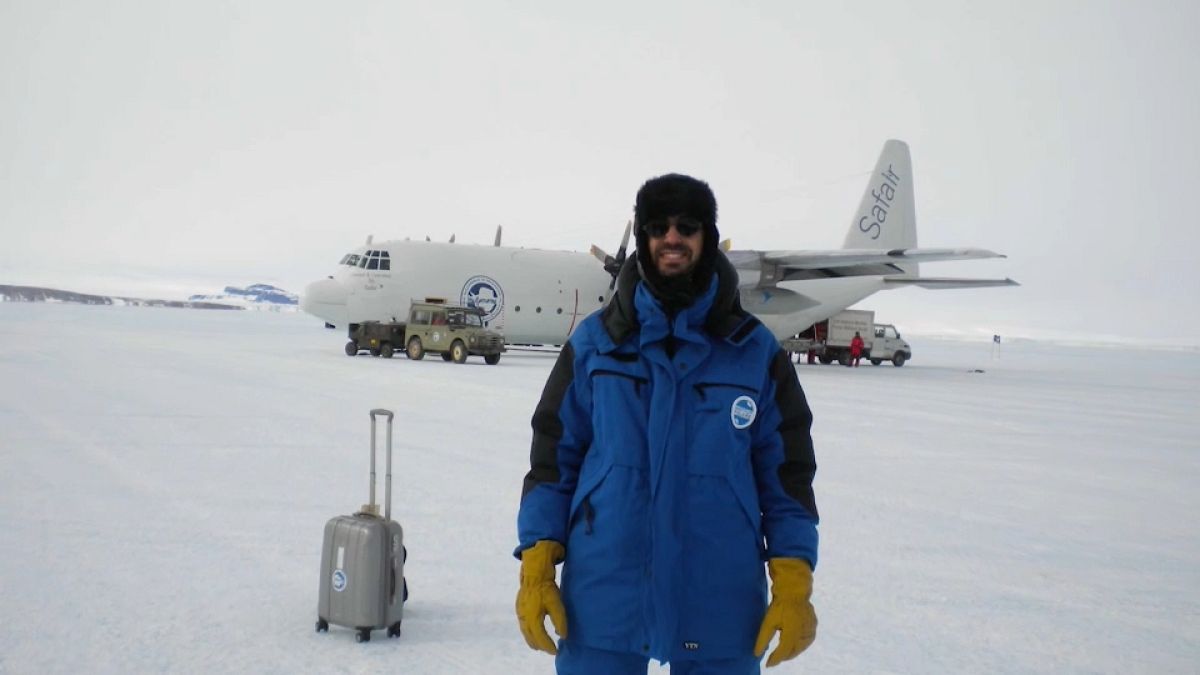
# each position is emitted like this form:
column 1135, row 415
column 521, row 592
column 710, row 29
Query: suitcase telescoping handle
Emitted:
column 387, row 489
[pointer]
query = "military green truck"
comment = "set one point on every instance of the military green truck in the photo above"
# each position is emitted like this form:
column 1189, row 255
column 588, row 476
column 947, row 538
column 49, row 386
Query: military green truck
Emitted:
column 452, row 331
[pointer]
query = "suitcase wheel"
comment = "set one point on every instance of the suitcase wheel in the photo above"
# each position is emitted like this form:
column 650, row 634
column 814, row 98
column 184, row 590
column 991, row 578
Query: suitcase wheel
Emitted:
column 394, row 630
column 322, row 625
column 363, row 635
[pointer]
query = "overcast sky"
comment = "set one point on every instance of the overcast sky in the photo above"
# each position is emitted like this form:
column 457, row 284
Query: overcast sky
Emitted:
column 169, row 148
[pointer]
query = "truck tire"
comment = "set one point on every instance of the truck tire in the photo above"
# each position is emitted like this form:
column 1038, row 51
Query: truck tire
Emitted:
column 844, row 358
column 352, row 348
column 491, row 359
column 458, row 351
column 898, row 359
column 825, row 360
column 876, row 362
column 446, row 357
column 416, row 351
column 386, row 350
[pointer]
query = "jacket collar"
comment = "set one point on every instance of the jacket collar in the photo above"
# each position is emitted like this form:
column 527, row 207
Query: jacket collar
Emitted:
column 724, row 317
column 656, row 324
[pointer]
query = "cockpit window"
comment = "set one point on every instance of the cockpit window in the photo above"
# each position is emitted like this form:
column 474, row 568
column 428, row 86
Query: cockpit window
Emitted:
column 369, row 260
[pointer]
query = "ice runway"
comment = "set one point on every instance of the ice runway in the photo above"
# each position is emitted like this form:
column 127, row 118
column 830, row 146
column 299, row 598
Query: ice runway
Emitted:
column 165, row 476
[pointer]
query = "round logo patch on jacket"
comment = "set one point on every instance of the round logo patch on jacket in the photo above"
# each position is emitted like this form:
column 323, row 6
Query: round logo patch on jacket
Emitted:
column 743, row 412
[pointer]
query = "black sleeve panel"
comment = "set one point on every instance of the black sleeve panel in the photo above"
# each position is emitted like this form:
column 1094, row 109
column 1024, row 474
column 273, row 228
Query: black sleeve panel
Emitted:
column 547, row 426
column 799, row 462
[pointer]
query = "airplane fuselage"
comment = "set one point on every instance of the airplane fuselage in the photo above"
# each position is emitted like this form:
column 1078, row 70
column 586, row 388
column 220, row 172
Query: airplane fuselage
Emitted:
column 533, row 296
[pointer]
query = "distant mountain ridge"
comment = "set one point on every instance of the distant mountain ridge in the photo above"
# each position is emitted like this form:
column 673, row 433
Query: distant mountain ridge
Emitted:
column 38, row 294
column 254, row 296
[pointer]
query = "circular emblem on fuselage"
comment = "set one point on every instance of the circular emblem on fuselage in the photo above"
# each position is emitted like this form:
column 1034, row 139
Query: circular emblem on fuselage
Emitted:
column 484, row 294
column 339, row 581
column 742, row 412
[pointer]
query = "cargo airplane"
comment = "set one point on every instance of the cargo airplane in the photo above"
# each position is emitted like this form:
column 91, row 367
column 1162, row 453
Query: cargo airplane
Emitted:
column 539, row 296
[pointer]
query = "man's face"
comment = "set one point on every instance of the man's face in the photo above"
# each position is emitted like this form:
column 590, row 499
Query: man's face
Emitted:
column 675, row 244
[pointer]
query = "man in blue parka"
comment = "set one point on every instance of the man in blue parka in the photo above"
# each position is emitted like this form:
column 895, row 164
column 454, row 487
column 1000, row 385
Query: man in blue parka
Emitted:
column 671, row 458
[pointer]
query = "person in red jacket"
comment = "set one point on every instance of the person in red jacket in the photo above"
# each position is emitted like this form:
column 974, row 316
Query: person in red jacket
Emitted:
column 856, row 349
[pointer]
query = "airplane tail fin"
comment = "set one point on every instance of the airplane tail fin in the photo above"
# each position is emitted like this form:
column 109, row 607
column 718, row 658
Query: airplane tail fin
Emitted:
column 886, row 217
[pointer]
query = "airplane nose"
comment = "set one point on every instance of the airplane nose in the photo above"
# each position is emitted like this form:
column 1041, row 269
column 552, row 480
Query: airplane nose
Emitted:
column 325, row 299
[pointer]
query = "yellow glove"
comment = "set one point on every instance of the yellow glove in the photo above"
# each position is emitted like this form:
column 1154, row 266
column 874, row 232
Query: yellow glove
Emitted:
column 790, row 611
column 539, row 596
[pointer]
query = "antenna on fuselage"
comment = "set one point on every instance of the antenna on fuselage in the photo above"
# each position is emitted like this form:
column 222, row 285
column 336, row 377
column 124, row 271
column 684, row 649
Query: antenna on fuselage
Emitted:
column 499, row 228
column 451, row 239
column 369, row 238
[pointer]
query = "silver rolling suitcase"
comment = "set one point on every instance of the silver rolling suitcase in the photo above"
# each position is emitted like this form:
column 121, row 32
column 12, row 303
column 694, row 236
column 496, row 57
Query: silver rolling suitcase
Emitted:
column 362, row 562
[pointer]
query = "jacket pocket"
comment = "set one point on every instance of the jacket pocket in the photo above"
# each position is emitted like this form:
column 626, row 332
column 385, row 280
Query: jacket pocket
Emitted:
column 591, row 476
column 720, row 440
column 719, row 460
column 620, row 414
column 603, row 577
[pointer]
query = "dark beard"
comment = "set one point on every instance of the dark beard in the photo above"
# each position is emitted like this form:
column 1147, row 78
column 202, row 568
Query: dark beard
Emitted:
column 679, row 291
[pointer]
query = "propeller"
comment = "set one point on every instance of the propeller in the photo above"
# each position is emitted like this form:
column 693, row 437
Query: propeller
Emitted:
column 612, row 264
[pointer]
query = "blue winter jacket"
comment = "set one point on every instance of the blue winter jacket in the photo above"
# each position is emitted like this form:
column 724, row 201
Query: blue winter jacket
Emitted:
column 670, row 479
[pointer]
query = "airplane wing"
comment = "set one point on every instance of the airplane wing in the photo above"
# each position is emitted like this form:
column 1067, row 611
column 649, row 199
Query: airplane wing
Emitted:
column 948, row 282
column 767, row 268
column 850, row 256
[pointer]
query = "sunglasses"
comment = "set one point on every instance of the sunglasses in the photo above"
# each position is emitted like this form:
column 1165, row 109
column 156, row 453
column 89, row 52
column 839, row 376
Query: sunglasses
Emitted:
column 686, row 227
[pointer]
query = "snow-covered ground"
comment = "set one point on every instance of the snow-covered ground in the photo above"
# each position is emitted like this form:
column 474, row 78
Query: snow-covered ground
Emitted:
column 165, row 475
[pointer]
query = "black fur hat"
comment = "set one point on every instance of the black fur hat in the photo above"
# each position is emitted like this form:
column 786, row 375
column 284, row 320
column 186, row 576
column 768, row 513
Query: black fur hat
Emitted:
column 676, row 195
